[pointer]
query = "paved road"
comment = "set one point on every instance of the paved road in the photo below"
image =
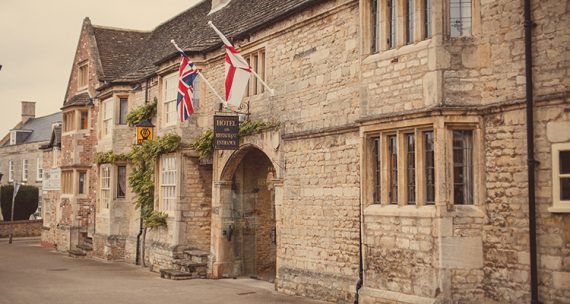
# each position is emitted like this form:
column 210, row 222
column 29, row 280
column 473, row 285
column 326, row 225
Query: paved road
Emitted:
column 30, row 274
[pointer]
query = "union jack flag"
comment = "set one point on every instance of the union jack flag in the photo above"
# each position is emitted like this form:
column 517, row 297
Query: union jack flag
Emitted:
column 187, row 74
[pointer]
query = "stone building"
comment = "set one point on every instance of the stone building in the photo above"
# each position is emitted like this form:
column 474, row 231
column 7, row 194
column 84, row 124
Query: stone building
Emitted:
column 20, row 158
column 396, row 174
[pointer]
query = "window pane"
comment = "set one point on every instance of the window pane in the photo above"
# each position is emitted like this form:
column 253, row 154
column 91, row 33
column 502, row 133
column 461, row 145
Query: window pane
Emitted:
column 81, row 182
column 463, row 167
column 564, row 161
column 427, row 18
column 374, row 26
column 393, row 154
column 429, row 167
column 84, row 120
column 121, row 181
column 376, row 169
column 410, row 21
column 123, row 110
column 411, row 167
column 460, row 18
column 392, row 19
column 565, row 188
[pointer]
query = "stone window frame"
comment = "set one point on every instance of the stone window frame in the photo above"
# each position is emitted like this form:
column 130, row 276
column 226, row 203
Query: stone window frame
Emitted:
column 168, row 194
column 169, row 117
column 25, row 169
column 254, row 58
column 401, row 161
column 118, row 180
column 67, row 182
column 82, row 75
column 105, row 187
column 558, row 205
column 83, row 124
column 442, row 127
column 85, row 182
column 39, row 168
column 107, row 116
column 375, row 25
column 122, row 120
column 475, row 29
column 68, row 121
column 477, row 159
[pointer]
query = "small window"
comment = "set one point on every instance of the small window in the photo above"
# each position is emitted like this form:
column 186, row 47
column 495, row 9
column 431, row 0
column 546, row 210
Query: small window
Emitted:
column 67, row 182
column 392, row 21
column 107, row 116
column 39, row 169
column 82, row 182
column 429, row 161
column 411, row 168
column 169, row 86
column 257, row 62
column 24, row 170
column 376, row 169
column 167, row 183
column 121, row 181
column 123, row 110
column 561, row 177
column 374, row 26
column 409, row 14
column 393, row 168
column 105, row 187
column 83, row 75
column 84, row 120
column 68, row 123
column 13, row 137
column 11, row 171
column 463, row 167
column 460, row 18
column 427, row 18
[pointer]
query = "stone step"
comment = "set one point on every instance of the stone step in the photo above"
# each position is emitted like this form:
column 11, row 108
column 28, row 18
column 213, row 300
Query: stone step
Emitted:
column 76, row 253
column 85, row 247
column 197, row 256
column 173, row 274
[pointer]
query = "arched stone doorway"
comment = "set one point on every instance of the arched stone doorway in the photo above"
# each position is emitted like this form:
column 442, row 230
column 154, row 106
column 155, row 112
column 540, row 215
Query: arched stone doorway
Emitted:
column 249, row 226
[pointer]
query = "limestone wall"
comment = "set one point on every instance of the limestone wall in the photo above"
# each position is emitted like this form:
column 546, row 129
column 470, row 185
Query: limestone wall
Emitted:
column 506, row 239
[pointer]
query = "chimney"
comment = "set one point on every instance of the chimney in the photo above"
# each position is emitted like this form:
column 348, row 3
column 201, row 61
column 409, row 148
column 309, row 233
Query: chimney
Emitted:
column 218, row 5
column 28, row 110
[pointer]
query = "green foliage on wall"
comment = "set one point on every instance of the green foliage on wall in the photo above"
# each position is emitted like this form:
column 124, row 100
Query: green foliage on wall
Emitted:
column 109, row 157
column 144, row 158
column 204, row 144
column 142, row 113
column 26, row 202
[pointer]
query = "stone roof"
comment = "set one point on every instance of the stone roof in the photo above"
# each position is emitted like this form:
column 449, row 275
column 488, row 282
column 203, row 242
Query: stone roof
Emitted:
column 39, row 128
column 117, row 48
column 190, row 30
column 78, row 100
column 55, row 139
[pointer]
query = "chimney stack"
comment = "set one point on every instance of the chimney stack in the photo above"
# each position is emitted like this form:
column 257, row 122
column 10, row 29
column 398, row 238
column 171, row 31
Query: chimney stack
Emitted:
column 28, row 110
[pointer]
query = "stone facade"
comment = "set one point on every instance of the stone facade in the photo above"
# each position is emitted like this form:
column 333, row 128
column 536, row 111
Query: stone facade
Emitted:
column 409, row 160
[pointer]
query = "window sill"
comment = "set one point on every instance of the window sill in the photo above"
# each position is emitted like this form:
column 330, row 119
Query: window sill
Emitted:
column 403, row 211
column 402, row 50
column 559, row 208
column 467, row 211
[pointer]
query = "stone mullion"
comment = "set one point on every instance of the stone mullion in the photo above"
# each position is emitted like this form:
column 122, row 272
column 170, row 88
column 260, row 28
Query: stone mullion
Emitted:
column 420, row 169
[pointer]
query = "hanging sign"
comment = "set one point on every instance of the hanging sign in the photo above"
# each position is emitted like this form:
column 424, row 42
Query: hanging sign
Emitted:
column 226, row 130
column 144, row 131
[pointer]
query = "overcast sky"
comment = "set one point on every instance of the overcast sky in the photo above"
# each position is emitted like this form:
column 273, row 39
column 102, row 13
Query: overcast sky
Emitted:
column 38, row 40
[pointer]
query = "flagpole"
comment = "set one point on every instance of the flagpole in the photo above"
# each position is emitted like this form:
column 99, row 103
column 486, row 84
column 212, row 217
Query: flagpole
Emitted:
column 202, row 76
column 272, row 91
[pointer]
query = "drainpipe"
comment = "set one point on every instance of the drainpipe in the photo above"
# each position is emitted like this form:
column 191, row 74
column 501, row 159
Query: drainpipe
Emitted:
column 360, row 282
column 528, row 24
column 137, row 258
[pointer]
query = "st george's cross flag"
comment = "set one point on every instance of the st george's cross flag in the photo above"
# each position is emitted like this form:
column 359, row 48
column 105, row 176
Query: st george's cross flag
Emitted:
column 238, row 72
column 187, row 74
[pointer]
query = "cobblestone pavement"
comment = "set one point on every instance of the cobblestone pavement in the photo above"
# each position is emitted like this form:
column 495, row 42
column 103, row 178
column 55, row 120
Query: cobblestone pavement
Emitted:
column 31, row 274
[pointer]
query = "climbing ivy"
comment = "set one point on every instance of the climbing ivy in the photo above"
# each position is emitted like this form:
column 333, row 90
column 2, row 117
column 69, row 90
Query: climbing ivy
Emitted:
column 142, row 113
column 204, row 144
column 109, row 157
column 143, row 157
